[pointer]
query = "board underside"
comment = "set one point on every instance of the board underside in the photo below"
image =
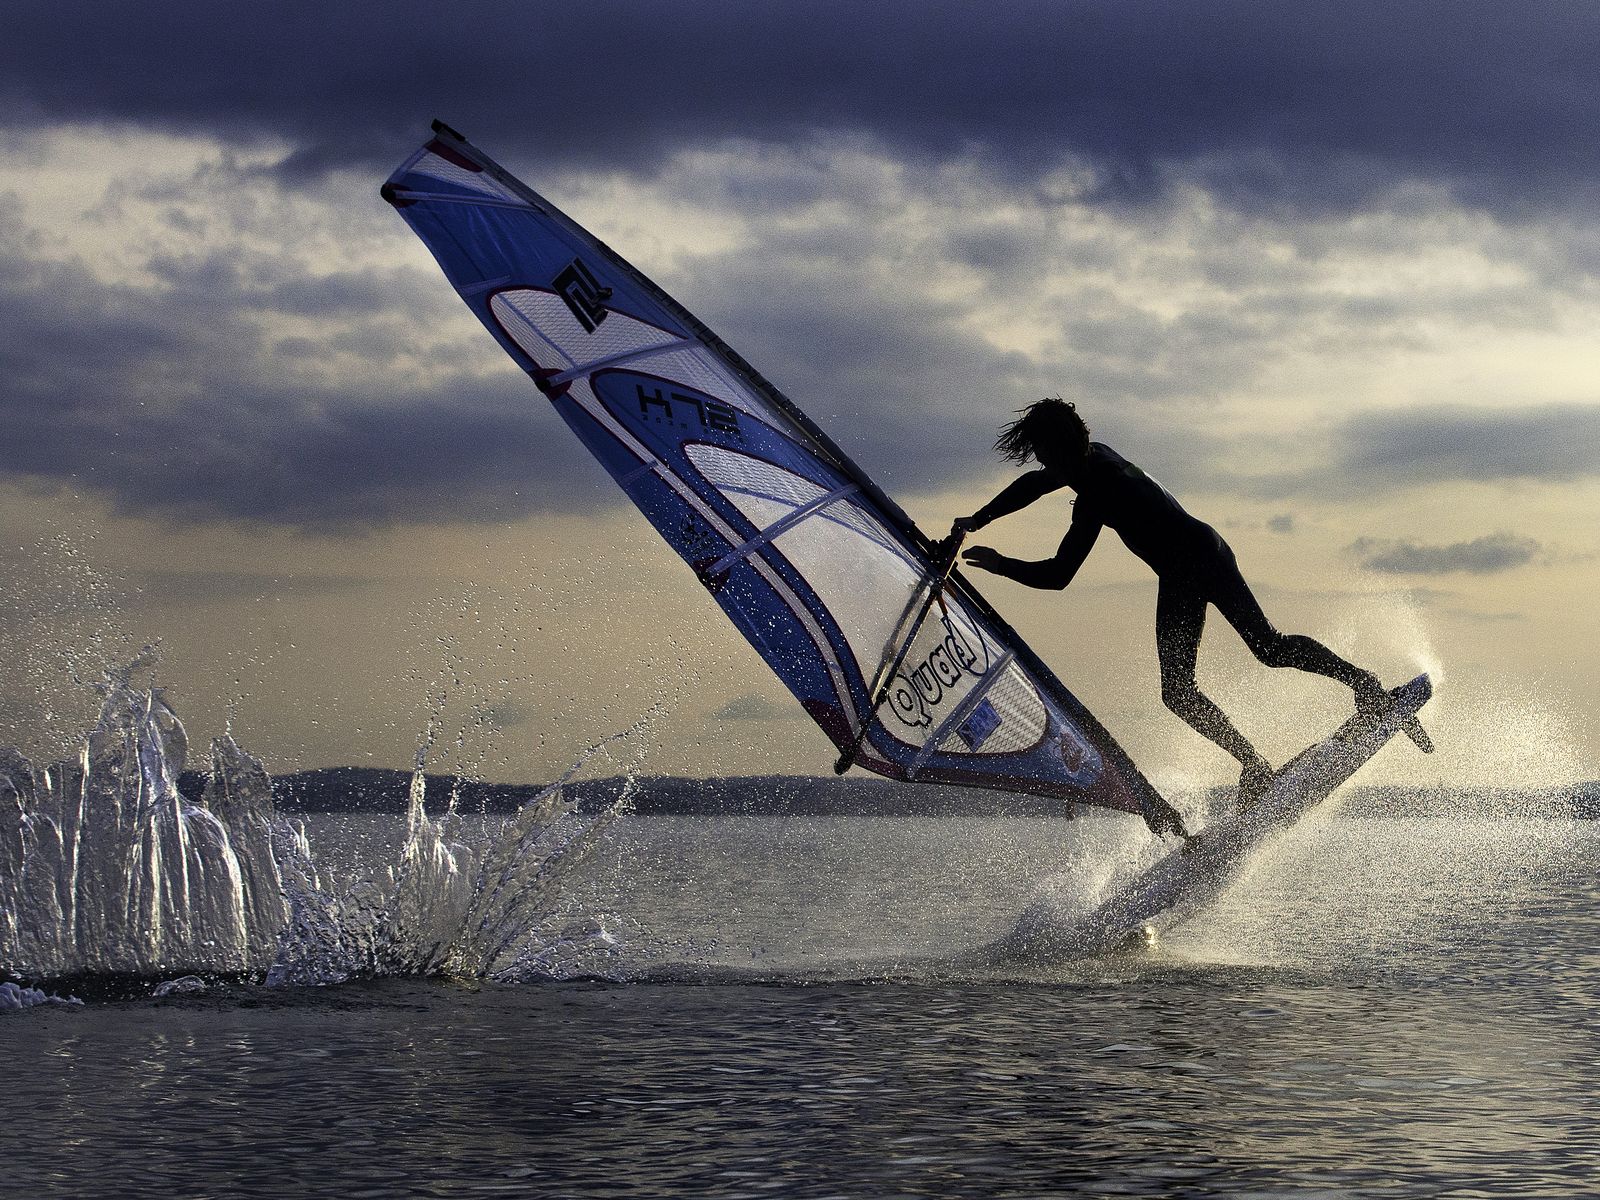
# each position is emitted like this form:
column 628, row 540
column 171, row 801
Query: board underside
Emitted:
column 1192, row 877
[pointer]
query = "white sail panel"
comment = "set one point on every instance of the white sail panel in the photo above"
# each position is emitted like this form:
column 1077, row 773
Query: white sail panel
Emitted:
column 544, row 326
column 461, row 172
column 866, row 581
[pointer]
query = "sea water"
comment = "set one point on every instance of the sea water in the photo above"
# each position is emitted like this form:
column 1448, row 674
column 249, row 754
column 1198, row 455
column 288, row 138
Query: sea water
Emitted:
column 1401, row 1007
column 604, row 1004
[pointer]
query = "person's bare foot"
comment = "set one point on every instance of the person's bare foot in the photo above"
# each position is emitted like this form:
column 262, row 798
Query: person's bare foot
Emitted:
column 1371, row 698
column 1253, row 781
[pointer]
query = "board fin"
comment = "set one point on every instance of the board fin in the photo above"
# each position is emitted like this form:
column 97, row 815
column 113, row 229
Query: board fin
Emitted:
column 1413, row 729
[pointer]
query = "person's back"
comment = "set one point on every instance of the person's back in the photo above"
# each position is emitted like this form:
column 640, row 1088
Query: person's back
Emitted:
column 1147, row 517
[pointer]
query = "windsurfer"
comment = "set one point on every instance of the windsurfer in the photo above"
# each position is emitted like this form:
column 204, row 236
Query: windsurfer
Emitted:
column 1194, row 565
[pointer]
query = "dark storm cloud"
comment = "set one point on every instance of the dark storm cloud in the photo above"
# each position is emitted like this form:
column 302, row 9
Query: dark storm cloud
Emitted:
column 465, row 452
column 178, row 404
column 1381, row 452
column 1310, row 105
column 1426, row 445
column 1487, row 555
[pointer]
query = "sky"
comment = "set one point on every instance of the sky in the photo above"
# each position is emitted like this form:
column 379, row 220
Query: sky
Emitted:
column 1329, row 271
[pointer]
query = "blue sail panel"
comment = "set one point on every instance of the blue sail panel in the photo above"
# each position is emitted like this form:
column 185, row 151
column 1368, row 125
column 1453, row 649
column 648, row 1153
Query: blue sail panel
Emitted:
column 820, row 571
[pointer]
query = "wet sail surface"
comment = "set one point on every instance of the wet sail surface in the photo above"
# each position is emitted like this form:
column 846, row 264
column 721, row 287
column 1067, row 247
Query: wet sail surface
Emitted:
column 818, row 569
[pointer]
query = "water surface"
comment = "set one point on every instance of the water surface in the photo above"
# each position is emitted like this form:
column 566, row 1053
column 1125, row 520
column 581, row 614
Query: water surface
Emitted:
column 1382, row 1008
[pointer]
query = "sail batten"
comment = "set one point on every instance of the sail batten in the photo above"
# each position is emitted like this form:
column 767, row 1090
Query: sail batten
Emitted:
column 814, row 564
column 781, row 525
column 624, row 356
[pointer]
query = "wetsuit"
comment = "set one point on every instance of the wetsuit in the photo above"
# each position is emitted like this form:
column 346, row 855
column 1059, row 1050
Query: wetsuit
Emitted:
column 1195, row 568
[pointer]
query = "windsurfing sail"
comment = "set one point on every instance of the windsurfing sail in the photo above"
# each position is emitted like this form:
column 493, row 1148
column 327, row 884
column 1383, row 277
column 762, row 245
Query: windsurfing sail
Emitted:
column 821, row 571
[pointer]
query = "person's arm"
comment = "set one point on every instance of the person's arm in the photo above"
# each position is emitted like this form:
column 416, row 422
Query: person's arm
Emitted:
column 1052, row 573
column 1018, row 494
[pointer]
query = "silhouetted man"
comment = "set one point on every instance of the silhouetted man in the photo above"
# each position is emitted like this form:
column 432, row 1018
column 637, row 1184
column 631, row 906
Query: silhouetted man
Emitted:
column 1195, row 567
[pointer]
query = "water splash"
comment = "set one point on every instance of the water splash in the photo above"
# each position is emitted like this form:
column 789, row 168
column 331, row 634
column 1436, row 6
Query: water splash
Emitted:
column 14, row 997
column 107, row 869
column 490, row 907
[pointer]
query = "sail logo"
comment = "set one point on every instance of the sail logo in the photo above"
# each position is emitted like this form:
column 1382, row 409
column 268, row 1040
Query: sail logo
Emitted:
column 584, row 296
column 920, row 686
column 713, row 417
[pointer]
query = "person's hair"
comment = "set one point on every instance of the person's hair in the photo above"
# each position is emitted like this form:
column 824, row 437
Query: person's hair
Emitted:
column 1051, row 420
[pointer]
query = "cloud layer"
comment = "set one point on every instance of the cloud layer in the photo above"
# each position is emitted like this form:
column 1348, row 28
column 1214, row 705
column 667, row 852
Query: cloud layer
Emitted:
column 1558, row 442
column 1487, row 555
column 1314, row 106
column 1201, row 221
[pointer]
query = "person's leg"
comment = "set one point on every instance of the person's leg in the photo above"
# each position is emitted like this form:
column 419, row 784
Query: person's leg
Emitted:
column 1180, row 620
column 1235, row 601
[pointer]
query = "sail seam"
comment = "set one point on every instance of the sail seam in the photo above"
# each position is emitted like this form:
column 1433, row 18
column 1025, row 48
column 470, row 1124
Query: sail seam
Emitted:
column 478, row 289
column 638, row 472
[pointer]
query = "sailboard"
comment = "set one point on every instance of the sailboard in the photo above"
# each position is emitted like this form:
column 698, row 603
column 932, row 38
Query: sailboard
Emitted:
column 1190, row 878
column 816, row 566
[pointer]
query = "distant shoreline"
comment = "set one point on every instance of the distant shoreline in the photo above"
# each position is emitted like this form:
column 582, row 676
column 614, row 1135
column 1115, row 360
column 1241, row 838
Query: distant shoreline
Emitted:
column 385, row 790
